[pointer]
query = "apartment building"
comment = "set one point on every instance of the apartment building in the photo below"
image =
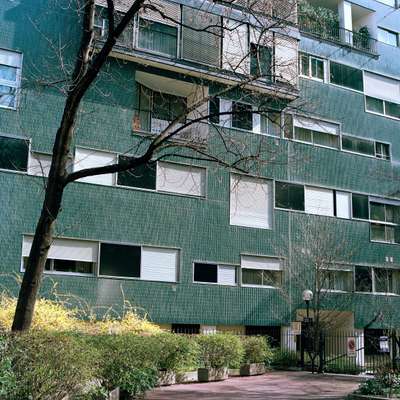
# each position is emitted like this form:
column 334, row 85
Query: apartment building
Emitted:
column 197, row 246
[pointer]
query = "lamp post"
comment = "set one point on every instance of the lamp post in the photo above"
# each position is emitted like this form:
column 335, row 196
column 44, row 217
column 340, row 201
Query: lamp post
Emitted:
column 307, row 297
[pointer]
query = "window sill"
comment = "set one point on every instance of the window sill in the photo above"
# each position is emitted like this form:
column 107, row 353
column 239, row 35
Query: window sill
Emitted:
column 251, row 226
column 379, row 294
column 382, row 115
column 366, row 155
column 60, row 273
column 127, row 278
column 8, row 108
column 215, row 284
column 315, row 144
column 11, row 171
column 313, row 79
column 260, row 286
column 383, row 242
column 334, row 291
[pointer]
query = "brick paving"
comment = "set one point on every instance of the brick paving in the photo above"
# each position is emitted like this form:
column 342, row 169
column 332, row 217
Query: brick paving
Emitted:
column 273, row 385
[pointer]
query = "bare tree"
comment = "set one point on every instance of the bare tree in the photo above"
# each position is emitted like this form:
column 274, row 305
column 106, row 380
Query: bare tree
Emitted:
column 186, row 134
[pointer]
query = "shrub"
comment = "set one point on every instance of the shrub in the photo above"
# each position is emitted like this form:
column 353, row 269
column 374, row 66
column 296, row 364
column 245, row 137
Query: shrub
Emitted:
column 256, row 350
column 8, row 382
column 50, row 365
column 283, row 358
column 218, row 351
column 174, row 352
column 59, row 316
column 343, row 367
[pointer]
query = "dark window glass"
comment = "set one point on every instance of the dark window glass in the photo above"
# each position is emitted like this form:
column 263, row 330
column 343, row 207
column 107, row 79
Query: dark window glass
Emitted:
column 120, row 260
column 378, row 232
column 377, row 211
column 143, row 176
column 273, row 333
column 360, row 206
column 242, row 116
column 326, row 139
column 383, row 280
column 80, row 267
column 346, row 76
column 363, row 277
column 205, row 273
column 374, row 105
column 382, row 150
column 252, row 277
column 317, row 68
column 13, row 153
column 260, row 61
column 304, row 65
column 392, row 109
column 214, row 110
column 358, row 145
column 303, row 134
column 290, row 196
column 188, row 329
column 167, row 107
column 47, row 266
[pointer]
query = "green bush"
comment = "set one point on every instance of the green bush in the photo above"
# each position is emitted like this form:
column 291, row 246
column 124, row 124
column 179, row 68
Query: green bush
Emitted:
column 220, row 350
column 256, row 350
column 50, row 365
column 8, row 382
column 283, row 358
column 174, row 352
column 343, row 367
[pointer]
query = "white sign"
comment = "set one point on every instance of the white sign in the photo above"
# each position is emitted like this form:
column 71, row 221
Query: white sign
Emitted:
column 295, row 328
column 351, row 347
column 384, row 344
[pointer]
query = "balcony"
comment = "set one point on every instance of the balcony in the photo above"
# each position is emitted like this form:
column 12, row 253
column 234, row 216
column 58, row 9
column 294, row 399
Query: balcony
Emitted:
column 206, row 45
column 331, row 24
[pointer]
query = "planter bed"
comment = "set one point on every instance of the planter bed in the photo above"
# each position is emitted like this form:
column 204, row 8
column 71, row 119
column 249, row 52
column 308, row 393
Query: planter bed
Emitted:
column 252, row 369
column 212, row 374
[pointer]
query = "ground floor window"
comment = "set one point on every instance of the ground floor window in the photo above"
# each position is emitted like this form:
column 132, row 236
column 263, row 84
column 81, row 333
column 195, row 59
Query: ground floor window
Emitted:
column 273, row 333
column 189, row 329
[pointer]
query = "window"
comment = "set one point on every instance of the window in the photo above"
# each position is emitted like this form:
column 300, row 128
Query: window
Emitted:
column 39, row 164
column 250, row 202
column 147, row 263
column 10, row 77
column 317, row 132
column 189, row 329
column 377, row 280
column 14, row 153
column 261, row 271
column 343, row 204
column 273, row 333
column 213, row 273
column 337, row 280
column 168, row 107
column 382, row 95
column 242, row 116
column 386, row 230
column 363, row 279
column 360, row 206
column 271, row 123
column 182, row 179
column 382, row 150
column 388, row 37
column 312, row 67
column 289, row 196
column 67, row 255
column 319, row 201
column 86, row 158
column 120, row 260
column 346, row 76
column 158, row 37
column 260, row 61
column 143, row 176
column 391, row 3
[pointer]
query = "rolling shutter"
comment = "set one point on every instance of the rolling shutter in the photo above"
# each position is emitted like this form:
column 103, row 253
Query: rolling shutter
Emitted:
column 316, row 125
column 265, row 263
column 39, row 164
column 226, row 275
column 250, row 202
column 319, row 201
column 343, row 205
column 159, row 264
column 66, row 249
column 170, row 10
column 85, row 158
column 381, row 87
column 181, row 179
column 285, row 61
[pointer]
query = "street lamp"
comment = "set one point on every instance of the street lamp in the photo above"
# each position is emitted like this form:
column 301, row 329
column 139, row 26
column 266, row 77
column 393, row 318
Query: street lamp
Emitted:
column 307, row 297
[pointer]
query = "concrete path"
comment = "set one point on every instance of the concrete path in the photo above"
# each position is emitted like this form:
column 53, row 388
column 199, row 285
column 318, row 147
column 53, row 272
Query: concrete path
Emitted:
column 273, row 385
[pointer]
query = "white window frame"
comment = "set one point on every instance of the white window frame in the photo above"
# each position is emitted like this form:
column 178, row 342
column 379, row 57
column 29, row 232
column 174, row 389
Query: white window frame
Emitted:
column 251, row 256
column 375, row 142
column 350, row 271
column 310, row 76
column 378, row 113
column 14, row 84
column 391, row 32
column 373, row 281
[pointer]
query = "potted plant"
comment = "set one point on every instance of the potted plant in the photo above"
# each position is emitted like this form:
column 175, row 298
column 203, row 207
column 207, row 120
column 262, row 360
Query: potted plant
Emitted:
column 217, row 353
column 256, row 351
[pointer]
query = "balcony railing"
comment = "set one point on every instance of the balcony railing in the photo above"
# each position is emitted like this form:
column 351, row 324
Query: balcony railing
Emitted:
column 357, row 40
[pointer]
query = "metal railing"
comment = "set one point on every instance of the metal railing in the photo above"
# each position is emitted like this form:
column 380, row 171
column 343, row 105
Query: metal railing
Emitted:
column 357, row 40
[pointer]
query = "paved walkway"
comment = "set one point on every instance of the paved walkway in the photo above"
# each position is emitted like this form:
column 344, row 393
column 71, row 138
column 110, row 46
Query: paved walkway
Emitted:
column 273, row 385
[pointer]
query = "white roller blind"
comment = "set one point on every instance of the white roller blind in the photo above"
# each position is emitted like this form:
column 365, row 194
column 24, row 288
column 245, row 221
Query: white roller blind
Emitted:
column 159, row 264
column 343, row 205
column 316, row 125
column 39, row 164
column 250, row 202
column 255, row 262
column 170, row 10
column 381, row 87
column 235, row 49
column 181, row 179
column 10, row 58
column 225, row 106
column 256, row 121
column 66, row 249
column 226, row 275
column 285, row 61
column 85, row 158
column 318, row 201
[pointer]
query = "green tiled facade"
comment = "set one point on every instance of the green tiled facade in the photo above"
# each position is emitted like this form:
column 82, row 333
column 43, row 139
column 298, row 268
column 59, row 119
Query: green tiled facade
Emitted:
column 199, row 227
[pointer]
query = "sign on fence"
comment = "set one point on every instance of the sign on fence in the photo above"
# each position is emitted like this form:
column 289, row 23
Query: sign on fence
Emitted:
column 351, row 346
column 384, row 344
